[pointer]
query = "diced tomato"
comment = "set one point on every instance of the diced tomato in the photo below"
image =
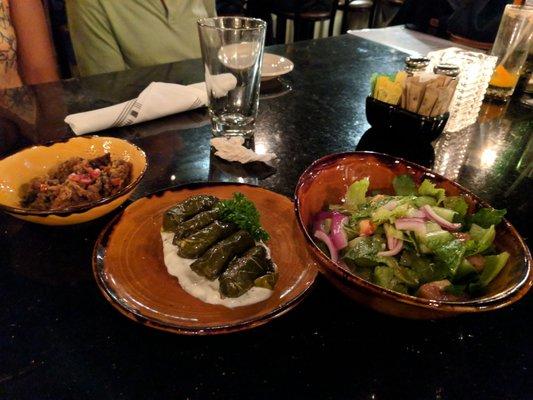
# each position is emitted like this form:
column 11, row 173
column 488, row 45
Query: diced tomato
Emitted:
column 74, row 177
column 43, row 187
column 366, row 227
column 85, row 179
column 116, row 181
column 81, row 178
column 94, row 173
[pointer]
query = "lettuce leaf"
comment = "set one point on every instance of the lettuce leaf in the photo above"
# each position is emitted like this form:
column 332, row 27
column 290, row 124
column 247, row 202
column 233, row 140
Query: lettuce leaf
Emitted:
column 493, row 266
column 406, row 276
column 355, row 195
column 464, row 270
column 457, row 204
column 421, row 201
column 366, row 209
column 382, row 215
column 449, row 252
column 437, row 238
column 404, row 185
column 386, row 277
column 427, row 188
column 422, row 266
column 363, row 251
column 486, row 217
column 481, row 239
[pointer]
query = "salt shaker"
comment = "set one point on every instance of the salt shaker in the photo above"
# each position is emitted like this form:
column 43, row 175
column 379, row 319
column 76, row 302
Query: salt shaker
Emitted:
column 450, row 70
column 414, row 65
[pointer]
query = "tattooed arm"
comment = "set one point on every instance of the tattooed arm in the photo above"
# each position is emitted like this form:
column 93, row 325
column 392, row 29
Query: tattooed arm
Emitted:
column 36, row 56
column 9, row 76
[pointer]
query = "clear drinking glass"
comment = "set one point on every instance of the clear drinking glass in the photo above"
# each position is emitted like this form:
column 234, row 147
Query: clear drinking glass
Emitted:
column 232, row 52
column 511, row 47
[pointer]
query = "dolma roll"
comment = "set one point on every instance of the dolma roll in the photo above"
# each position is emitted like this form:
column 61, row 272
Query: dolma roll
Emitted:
column 267, row 281
column 186, row 209
column 193, row 225
column 242, row 272
column 212, row 263
column 195, row 245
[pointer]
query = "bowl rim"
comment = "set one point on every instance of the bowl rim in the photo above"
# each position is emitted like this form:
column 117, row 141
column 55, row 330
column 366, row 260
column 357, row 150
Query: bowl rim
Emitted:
column 514, row 293
column 78, row 209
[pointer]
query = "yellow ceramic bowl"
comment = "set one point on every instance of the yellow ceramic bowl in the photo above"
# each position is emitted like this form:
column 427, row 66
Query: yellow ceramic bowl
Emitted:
column 21, row 167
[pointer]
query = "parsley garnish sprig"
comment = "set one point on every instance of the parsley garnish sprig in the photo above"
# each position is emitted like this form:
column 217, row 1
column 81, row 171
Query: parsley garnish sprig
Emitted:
column 243, row 213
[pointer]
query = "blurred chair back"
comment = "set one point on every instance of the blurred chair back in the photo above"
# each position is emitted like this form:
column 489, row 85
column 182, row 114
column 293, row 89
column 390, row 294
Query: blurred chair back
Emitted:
column 303, row 18
column 57, row 17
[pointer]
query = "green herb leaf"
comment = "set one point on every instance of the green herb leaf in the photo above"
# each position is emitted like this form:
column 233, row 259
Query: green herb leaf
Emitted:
column 404, row 185
column 243, row 213
column 486, row 217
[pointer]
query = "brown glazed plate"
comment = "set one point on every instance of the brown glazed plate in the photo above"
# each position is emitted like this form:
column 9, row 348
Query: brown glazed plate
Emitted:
column 326, row 181
column 129, row 268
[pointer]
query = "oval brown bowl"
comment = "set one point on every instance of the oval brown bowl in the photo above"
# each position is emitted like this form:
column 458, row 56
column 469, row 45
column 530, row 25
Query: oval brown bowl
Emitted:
column 129, row 268
column 325, row 182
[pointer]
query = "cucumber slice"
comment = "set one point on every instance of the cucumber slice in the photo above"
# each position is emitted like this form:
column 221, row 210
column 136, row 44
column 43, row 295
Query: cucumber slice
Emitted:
column 445, row 213
column 431, row 227
column 465, row 269
column 437, row 238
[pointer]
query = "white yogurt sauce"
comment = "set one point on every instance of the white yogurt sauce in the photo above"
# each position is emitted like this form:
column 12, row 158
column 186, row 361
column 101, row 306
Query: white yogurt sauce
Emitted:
column 200, row 287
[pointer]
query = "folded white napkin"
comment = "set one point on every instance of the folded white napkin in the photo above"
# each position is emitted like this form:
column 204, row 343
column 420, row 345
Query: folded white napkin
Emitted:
column 157, row 100
column 232, row 149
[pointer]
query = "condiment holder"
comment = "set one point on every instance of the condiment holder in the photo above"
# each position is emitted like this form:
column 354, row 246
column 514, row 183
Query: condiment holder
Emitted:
column 387, row 117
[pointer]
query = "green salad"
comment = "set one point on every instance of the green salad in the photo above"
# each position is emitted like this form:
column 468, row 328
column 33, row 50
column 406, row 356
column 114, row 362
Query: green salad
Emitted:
column 418, row 241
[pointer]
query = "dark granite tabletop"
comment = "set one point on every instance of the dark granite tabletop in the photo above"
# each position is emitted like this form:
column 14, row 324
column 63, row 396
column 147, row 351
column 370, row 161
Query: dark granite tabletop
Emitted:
column 60, row 339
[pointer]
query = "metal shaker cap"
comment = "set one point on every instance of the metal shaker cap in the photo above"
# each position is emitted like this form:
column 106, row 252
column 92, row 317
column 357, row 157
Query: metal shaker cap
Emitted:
column 451, row 70
column 416, row 63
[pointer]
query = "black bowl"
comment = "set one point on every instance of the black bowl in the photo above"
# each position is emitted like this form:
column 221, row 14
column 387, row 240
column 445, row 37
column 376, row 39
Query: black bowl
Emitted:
column 395, row 120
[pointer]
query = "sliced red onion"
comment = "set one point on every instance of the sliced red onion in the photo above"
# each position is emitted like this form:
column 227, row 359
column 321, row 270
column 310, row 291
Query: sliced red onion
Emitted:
column 391, row 242
column 432, row 215
column 321, row 235
column 392, row 252
column 411, row 224
column 320, row 218
column 338, row 235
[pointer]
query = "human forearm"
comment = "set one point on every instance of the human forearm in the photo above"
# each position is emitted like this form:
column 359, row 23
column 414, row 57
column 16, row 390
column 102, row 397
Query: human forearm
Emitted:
column 35, row 52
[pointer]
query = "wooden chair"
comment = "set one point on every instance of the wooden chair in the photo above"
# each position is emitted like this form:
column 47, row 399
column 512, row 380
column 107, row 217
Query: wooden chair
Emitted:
column 303, row 21
column 348, row 7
